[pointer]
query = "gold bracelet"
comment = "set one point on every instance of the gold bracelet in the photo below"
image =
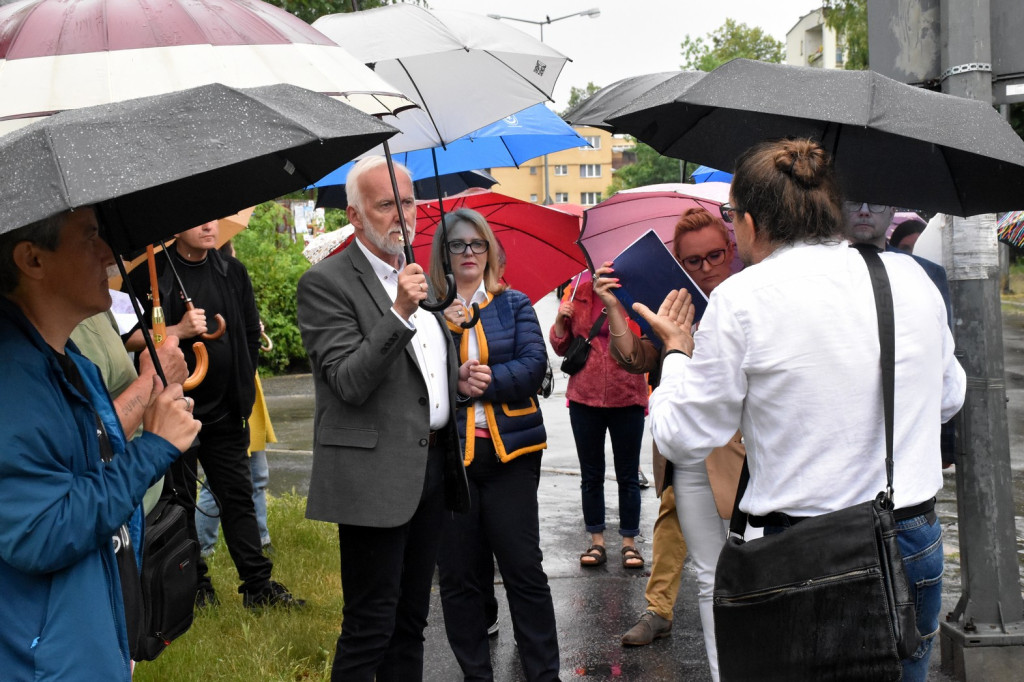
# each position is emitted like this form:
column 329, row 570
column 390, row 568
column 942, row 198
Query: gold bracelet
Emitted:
column 618, row 335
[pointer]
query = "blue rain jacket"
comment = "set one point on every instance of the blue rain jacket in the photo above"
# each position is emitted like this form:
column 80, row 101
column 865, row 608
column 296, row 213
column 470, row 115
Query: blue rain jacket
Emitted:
column 60, row 504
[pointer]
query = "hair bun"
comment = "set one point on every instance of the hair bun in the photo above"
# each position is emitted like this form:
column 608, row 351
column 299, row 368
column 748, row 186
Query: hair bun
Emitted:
column 802, row 160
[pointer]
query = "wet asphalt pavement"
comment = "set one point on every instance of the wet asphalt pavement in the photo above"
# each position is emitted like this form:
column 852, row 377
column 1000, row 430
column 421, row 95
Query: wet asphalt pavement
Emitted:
column 594, row 606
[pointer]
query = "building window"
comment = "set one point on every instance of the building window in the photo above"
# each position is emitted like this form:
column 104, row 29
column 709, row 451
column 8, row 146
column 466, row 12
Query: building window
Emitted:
column 533, row 198
column 593, row 140
column 590, row 170
column 561, row 197
column 562, row 169
column 590, row 198
column 533, row 170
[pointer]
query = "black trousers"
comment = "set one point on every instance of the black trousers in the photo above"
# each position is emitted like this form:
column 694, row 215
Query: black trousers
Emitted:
column 386, row 574
column 503, row 518
column 223, row 451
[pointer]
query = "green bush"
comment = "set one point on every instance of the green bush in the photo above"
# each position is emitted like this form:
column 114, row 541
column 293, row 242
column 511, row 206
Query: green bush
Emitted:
column 275, row 263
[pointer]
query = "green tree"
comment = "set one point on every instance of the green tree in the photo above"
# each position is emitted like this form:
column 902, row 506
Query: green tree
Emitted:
column 730, row 41
column 577, row 95
column 311, row 10
column 275, row 264
column 650, row 168
column 849, row 19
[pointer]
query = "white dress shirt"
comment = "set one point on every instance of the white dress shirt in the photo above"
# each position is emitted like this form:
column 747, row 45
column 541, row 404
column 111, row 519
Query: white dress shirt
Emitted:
column 479, row 296
column 788, row 352
column 428, row 345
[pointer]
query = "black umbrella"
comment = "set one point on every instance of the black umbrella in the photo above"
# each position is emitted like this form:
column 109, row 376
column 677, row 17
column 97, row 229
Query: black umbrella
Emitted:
column 335, row 196
column 596, row 109
column 892, row 143
column 158, row 165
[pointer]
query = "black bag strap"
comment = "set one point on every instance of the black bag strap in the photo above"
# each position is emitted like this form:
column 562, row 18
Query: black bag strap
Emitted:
column 597, row 325
column 887, row 345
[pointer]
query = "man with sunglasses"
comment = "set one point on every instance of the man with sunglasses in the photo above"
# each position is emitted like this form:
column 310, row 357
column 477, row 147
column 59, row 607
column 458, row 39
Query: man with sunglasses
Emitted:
column 867, row 224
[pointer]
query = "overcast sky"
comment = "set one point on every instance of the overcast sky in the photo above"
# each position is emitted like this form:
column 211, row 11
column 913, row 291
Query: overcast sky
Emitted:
column 631, row 37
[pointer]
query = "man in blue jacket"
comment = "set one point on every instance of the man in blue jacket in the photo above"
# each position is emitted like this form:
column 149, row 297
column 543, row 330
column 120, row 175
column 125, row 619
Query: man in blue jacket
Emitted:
column 68, row 476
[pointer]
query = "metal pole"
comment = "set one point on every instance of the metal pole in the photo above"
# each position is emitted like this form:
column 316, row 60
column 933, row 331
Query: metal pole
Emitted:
column 983, row 637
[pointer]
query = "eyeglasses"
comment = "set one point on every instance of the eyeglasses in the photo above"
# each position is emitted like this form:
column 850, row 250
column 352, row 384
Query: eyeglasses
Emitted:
column 854, row 207
column 458, row 247
column 728, row 212
column 695, row 263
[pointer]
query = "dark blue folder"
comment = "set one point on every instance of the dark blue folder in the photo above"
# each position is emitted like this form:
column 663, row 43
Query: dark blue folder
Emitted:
column 647, row 271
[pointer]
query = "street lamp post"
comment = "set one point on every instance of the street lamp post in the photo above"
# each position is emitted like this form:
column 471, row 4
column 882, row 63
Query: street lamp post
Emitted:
column 593, row 13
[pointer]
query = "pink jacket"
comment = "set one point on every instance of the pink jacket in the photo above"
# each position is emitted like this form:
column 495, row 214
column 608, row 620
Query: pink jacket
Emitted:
column 601, row 382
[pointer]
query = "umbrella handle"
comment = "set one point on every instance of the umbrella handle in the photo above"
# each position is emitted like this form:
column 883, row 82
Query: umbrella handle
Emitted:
column 473, row 319
column 202, row 364
column 269, row 345
column 218, row 318
column 446, row 301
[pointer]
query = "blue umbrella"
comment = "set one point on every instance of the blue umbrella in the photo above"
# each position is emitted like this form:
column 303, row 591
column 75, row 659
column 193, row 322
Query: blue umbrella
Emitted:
column 705, row 174
column 334, row 196
column 514, row 139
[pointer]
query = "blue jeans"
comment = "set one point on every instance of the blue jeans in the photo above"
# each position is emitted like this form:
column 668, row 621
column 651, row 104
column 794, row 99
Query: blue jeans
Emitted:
column 625, row 425
column 207, row 524
column 921, row 546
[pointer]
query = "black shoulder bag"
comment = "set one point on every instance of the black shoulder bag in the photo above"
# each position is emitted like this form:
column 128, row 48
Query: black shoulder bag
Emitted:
column 170, row 577
column 828, row 598
column 578, row 351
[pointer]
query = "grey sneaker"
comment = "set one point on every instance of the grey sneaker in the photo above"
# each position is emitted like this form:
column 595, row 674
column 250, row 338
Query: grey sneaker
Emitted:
column 650, row 627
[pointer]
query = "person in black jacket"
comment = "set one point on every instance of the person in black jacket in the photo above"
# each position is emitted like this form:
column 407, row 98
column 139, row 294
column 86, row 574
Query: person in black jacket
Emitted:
column 224, row 399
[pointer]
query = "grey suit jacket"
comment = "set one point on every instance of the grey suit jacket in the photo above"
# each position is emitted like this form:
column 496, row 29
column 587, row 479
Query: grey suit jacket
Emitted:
column 372, row 417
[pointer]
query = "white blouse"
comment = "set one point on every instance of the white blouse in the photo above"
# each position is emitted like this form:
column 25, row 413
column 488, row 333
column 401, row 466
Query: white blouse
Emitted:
column 788, row 352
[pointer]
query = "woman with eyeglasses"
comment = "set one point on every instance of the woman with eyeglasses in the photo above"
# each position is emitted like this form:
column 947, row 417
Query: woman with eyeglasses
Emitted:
column 603, row 399
column 504, row 437
column 696, row 498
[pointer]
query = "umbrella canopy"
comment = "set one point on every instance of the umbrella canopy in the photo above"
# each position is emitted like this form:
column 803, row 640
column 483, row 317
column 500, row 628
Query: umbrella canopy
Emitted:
column 594, row 110
column 539, row 242
column 618, row 221
column 65, row 54
column 157, row 165
column 335, row 196
column 892, row 143
column 705, row 174
column 509, row 142
column 464, row 70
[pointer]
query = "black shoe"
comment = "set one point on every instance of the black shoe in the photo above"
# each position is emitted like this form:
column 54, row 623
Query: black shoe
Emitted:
column 205, row 596
column 275, row 594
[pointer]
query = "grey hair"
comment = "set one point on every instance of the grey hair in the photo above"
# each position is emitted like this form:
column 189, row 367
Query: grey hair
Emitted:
column 352, row 189
column 43, row 233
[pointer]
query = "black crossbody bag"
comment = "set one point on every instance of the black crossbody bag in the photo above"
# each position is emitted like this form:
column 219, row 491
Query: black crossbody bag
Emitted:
column 828, row 598
column 578, row 351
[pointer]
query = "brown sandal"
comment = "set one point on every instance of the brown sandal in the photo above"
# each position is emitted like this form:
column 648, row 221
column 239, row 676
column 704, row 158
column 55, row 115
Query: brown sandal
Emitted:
column 631, row 553
column 597, row 553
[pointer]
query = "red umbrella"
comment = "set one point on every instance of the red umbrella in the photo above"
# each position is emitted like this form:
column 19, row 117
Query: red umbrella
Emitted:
column 618, row 221
column 540, row 242
column 67, row 54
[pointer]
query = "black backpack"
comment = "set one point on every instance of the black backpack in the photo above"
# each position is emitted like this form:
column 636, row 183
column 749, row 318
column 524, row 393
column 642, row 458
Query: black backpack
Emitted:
column 170, row 577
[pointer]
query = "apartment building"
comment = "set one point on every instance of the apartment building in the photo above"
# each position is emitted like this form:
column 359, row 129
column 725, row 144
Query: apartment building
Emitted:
column 811, row 43
column 579, row 175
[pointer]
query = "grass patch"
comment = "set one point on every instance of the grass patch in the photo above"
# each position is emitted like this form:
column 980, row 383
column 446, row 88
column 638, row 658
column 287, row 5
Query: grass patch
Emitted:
column 228, row 642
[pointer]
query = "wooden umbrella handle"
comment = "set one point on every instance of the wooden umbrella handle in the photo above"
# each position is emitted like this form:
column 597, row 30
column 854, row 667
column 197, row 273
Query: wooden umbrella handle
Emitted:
column 218, row 318
column 202, row 364
column 269, row 344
